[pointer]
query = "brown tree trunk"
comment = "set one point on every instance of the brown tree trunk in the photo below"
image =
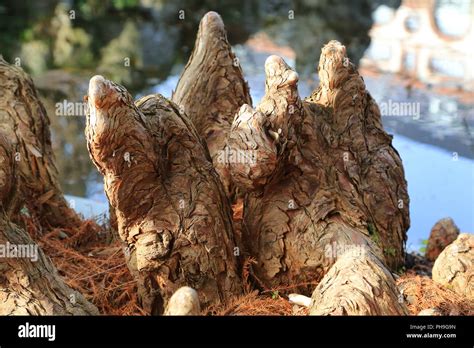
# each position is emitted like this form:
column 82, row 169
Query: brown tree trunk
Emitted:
column 322, row 180
column 172, row 213
column 211, row 89
column 29, row 283
column 25, row 122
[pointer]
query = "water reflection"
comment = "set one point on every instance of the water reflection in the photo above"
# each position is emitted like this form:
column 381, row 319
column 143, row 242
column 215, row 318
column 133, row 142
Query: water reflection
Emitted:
column 453, row 17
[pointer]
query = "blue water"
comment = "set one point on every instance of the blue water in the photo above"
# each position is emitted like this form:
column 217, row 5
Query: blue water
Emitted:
column 438, row 185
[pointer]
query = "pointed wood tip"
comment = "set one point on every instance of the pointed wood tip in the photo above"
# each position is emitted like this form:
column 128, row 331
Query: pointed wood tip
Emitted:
column 334, row 50
column 98, row 88
column 212, row 23
column 334, row 65
column 278, row 73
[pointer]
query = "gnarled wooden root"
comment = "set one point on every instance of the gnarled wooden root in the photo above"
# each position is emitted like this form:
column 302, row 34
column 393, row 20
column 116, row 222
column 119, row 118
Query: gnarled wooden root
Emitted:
column 325, row 178
column 368, row 172
column 25, row 122
column 357, row 284
column 211, row 89
column 171, row 209
column 29, row 283
column 32, row 286
column 454, row 267
column 250, row 150
column 443, row 233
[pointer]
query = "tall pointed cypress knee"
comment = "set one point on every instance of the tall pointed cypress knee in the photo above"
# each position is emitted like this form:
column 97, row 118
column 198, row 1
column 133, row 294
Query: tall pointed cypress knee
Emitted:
column 172, row 213
column 211, row 90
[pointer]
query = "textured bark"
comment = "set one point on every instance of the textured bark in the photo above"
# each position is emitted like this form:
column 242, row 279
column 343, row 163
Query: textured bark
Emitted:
column 324, row 178
column 28, row 286
column 372, row 181
column 357, row 285
column 9, row 198
column 454, row 267
column 212, row 88
column 171, row 209
column 25, row 122
column 443, row 233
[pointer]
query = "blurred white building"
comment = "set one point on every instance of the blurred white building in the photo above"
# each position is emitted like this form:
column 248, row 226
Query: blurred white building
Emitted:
column 431, row 40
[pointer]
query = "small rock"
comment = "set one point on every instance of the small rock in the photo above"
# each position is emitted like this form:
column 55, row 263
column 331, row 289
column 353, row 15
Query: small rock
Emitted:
column 443, row 233
column 454, row 267
column 300, row 300
column 431, row 312
column 62, row 235
column 185, row 301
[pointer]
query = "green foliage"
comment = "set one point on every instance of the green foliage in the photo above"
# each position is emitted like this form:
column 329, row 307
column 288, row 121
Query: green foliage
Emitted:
column 390, row 251
column 35, row 56
column 27, row 34
column 122, row 56
column 71, row 45
column 123, row 4
column 373, row 232
column 422, row 249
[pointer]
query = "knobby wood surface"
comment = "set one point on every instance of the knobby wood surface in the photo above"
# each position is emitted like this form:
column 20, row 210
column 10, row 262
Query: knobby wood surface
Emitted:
column 211, row 89
column 172, row 212
column 28, row 285
column 25, row 123
column 326, row 176
column 324, row 194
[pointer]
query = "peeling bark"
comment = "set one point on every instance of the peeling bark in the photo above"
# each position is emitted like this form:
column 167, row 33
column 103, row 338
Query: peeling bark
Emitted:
column 28, row 286
column 171, row 209
column 211, row 89
column 9, row 197
column 357, row 285
column 325, row 179
column 25, row 122
column 373, row 171
column 454, row 267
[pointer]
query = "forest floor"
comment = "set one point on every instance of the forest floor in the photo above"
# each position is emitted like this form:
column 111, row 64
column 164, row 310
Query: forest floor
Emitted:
column 93, row 263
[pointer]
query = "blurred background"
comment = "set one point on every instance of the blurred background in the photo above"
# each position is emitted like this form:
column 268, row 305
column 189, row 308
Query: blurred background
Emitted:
column 416, row 58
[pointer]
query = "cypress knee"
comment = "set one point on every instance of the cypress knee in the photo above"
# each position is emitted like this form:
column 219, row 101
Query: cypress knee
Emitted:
column 211, row 90
column 325, row 180
column 24, row 120
column 172, row 213
column 29, row 283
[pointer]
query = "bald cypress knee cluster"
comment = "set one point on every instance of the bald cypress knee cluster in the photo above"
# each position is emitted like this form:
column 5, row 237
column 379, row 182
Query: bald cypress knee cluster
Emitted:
column 325, row 202
column 325, row 199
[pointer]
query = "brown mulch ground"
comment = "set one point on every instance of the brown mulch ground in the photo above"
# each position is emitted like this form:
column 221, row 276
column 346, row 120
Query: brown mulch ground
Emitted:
column 422, row 292
column 93, row 263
